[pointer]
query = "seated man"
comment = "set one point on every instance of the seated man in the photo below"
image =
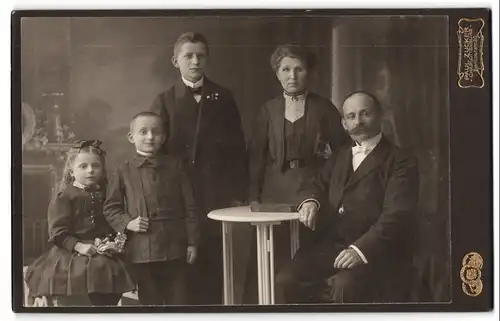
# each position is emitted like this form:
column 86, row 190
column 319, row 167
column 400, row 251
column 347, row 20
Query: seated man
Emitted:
column 368, row 192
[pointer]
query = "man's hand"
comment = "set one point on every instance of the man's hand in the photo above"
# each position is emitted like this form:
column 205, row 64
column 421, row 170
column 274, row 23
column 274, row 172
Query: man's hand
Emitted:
column 139, row 224
column 347, row 259
column 307, row 214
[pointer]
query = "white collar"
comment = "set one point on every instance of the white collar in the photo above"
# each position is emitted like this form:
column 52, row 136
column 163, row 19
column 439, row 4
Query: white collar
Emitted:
column 370, row 143
column 300, row 98
column 197, row 84
column 143, row 153
column 80, row 186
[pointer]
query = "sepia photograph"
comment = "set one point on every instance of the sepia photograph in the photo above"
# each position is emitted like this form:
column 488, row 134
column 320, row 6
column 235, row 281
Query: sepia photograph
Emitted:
column 295, row 159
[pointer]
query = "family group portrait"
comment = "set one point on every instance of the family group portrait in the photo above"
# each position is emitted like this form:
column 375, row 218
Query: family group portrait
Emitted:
column 211, row 160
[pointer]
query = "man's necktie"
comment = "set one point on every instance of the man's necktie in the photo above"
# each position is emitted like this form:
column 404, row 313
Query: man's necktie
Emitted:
column 196, row 91
column 359, row 150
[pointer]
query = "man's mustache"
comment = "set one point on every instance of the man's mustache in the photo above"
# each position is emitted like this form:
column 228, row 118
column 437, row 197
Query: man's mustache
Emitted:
column 359, row 130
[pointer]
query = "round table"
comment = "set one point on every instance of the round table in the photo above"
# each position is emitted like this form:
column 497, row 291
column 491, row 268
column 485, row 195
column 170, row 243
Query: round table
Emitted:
column 264, row 222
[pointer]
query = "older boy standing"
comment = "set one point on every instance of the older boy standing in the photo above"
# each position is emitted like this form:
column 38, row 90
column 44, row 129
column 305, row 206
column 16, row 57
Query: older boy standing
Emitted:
column 205, row 132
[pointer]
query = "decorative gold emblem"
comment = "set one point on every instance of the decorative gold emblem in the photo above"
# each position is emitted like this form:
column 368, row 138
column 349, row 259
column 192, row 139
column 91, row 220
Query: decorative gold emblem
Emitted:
column 470, row 273
column 470, row 53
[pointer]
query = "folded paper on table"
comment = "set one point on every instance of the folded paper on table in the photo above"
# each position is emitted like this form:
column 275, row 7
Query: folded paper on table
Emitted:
column 273, row 207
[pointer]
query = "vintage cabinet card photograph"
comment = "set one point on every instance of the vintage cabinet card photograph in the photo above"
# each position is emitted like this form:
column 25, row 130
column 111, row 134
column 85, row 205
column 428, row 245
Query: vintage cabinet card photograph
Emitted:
column 252, row 160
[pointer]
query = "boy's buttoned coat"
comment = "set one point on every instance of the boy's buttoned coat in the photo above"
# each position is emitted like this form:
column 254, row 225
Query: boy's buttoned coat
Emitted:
column 173, row 221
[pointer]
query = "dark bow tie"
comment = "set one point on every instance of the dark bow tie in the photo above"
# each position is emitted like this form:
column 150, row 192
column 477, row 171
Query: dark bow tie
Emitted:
column 151, row 161
column 147, row 161
column 196, row 91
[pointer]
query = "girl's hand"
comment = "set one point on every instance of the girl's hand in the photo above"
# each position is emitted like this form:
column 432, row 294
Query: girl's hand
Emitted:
column 85, row 249
column 192, row 252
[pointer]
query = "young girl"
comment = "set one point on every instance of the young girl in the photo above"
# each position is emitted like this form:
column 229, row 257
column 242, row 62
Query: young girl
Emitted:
column 83, row 267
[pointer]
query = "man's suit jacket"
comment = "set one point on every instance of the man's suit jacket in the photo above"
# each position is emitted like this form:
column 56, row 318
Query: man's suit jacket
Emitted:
column 373, row 208
column 208, row 136
column 323, row 126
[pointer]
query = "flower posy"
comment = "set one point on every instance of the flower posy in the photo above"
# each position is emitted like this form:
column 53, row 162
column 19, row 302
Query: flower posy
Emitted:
column 120, row 240
column 108, row 247
column 213, row 96
column 326, row 152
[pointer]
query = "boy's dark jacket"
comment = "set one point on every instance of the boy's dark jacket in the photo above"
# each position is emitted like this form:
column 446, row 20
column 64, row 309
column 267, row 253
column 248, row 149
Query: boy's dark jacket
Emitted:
column 172, row 227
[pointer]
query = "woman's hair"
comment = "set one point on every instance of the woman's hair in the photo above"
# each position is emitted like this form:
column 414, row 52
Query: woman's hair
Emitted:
column 293, row 51
column 192, row 37
column 68, row 179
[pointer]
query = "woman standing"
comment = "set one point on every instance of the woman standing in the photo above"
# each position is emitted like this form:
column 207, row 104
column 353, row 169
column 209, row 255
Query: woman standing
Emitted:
column 294, row 134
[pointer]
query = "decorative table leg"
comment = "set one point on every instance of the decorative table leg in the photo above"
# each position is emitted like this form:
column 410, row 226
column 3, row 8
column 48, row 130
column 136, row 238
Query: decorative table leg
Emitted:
column 271, row 257
column 227, row 249
column 261, row 264
column 294, row 237
column 265, row 262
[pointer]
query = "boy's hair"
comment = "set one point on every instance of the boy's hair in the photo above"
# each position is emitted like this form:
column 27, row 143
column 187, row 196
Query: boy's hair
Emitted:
column 144, row 114
column 293, row 51
column 192, row 37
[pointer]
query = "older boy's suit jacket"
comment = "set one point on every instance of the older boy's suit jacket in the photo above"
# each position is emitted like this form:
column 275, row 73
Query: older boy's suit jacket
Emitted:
column 208, row 136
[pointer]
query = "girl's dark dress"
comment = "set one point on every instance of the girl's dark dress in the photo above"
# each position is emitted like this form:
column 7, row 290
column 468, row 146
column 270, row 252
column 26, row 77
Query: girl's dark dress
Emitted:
column 75, row 215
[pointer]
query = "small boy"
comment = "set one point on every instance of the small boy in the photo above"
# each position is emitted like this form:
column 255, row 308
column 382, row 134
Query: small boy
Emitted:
column 151, row 199
column 206, row 133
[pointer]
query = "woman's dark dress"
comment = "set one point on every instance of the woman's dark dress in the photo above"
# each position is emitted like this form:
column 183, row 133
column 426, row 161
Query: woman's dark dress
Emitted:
column 277, row 146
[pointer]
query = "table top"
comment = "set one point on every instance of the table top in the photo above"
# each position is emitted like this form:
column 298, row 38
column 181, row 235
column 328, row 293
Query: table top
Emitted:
column 244, row 214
